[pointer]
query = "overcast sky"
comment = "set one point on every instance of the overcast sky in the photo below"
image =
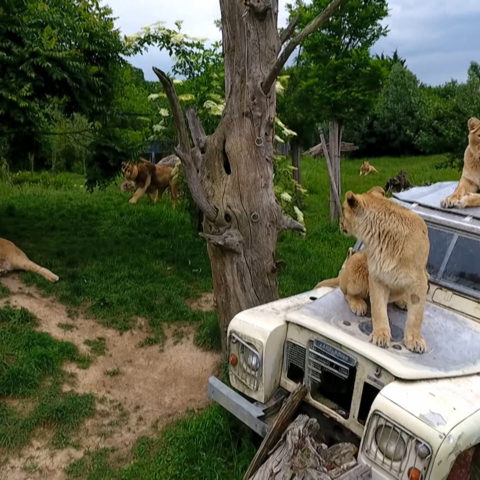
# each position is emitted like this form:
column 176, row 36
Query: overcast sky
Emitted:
column 438, row 38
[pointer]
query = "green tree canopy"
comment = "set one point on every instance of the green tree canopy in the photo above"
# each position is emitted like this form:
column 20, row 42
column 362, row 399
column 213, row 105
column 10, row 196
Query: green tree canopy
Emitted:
column 335, row 77
column 52, row 51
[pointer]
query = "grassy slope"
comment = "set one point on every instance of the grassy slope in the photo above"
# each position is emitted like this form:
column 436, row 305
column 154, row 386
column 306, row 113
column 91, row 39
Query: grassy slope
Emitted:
column 30, row 371
column 118, row 260
column 124, row 260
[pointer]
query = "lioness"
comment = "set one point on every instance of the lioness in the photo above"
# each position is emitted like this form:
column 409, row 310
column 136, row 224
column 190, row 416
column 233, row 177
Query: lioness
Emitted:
column 367, row 168
column 151, row 179
column 353, row 281
column 397, row 246
column 466, row 193
column 12, row 258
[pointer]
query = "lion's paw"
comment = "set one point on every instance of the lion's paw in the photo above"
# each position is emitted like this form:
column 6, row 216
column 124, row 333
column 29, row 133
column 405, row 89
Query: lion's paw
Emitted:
column 133, row 201
column 415, row 344
column 401, row 304
column 450, row 202
column 358, row 306
column 463, row 202
column 381, row 338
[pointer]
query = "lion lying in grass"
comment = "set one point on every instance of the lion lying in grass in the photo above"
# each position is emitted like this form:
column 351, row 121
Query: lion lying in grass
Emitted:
column 151, row 179
column 396, row 248
column 12, row 258
column 367, row 168
column 467, row 191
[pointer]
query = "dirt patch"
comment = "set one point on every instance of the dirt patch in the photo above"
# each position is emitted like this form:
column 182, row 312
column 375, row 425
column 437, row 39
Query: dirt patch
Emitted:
column 138, row 389
column 204, row 303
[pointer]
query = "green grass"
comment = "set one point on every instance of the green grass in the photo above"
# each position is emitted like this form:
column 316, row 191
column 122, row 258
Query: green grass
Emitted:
column 4, row 291
column 97, row 345
column 114, row 259
column 206, row 446
column 31, row 377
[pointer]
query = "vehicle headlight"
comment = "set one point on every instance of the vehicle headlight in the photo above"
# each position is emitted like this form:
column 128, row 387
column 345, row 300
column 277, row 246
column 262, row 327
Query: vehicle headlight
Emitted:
column 395, row 449
column 252, row 359
column 245, row 361
column 390, row 443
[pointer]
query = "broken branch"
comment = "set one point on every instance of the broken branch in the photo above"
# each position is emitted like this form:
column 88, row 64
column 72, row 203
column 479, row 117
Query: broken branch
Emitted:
column 287, row 33
column 177, row 112
column 190, row 161
column 288, row 223
column 196, row 129
column 231, row 239
column 315, row 24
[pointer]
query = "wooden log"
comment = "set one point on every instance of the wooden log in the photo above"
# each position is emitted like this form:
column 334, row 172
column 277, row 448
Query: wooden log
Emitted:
column 281, row 422
column 336, row 196
column 299, row 455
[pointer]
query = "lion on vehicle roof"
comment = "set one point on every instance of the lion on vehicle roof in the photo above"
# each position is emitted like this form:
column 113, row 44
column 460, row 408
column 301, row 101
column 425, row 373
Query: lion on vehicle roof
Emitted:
column 353, row 282
column 467, row 192
column 151, row 179
column 397, row 247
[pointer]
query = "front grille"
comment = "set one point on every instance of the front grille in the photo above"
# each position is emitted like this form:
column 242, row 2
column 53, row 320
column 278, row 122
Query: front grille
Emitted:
column 379, row 427
column 330, row 376
column 295, row 355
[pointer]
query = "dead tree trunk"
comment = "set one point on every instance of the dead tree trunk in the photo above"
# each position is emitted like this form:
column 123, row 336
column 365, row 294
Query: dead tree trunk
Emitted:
column 334, row 142
column 296, row 160
column 230, row 173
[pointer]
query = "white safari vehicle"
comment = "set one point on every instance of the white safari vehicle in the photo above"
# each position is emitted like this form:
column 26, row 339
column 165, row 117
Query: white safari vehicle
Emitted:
column 412, row 416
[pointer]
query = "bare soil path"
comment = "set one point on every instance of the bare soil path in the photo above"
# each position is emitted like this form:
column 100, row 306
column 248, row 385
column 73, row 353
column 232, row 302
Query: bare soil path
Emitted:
column 138, row 389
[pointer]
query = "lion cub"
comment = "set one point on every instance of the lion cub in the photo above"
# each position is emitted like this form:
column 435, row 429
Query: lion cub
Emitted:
column 367, row 168
column 466, row 193
column 397, row 247
column 352, row 280
column 12, row 258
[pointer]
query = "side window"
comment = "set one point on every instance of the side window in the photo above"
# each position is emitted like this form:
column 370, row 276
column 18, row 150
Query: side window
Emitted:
column 463, row 266
column 439, row 242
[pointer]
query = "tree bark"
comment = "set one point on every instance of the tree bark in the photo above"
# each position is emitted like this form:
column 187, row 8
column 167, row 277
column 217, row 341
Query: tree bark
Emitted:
column 334, row 142
column 283, row 419
column 334, row 195
column 300, row 456
column 296, row 160
column 230, row 173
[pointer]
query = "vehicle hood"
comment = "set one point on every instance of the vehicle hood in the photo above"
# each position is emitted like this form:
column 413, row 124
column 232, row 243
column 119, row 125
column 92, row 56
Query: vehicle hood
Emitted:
column 453, row 341
column 441, row 404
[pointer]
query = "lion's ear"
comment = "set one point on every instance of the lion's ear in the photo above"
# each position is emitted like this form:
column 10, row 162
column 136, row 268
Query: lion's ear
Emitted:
column 351, row 199
column 377, row 191
column 473, row 123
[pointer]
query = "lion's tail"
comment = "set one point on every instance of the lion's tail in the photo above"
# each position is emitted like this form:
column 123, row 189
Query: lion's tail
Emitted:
column 329, row 282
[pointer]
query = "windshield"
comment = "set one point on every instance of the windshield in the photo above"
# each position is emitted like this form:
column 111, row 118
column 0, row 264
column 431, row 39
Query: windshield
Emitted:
column 454, row 260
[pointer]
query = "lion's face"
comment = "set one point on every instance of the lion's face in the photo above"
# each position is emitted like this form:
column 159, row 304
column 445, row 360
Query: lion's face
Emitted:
column 474, row 132
column 128, row 171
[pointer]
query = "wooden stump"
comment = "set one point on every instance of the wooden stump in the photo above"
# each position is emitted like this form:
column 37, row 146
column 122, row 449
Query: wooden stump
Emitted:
column 300, row 456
